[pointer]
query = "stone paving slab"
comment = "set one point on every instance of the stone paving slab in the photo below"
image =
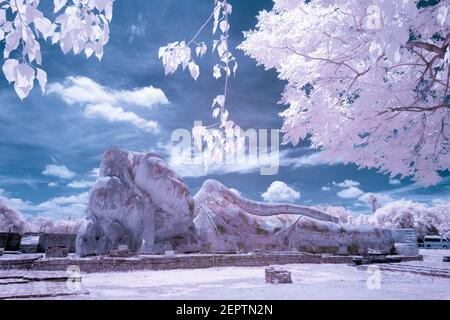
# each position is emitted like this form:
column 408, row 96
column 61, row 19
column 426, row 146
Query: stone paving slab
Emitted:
column 50, row 276
column 46, row 276
column 420, row 270
column 13, row 274
column 35, row 290
column 5, row 282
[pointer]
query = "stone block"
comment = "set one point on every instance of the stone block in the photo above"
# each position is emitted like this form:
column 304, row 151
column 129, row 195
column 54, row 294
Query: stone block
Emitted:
column 122, row 251
column 276, row 276
column 57, row 252
column 57, row 240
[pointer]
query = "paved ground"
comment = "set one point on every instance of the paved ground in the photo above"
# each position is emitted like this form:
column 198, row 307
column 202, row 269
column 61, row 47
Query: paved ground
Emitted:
column 310, row 282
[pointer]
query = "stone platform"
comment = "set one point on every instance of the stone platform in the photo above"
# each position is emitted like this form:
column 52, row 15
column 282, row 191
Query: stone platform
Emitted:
column 420, row 270
column 18, row 284
column 150, row 262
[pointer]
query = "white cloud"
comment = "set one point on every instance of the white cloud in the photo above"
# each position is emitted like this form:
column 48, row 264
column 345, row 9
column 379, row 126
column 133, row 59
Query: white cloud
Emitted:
column 73, row 206
column 382, row 199
column 61, row 172
column 108, row 104
column 350, row 193
column 52, row 185
column 394, row 182
column 280, row 192
column 82, row 184
column 311, row 160
column 67, row 200
column 85, row 90
column 326, row 188
column 95, row 173
column 347, row 184
column 117, row 114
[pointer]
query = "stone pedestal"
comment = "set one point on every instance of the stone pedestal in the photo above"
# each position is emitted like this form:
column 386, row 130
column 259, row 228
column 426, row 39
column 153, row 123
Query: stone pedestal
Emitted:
column 57, row 252
column 276, row 276
column 121, row 252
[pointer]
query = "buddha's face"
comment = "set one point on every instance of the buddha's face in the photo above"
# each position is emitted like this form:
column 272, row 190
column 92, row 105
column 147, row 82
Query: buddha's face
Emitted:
column 97, row 238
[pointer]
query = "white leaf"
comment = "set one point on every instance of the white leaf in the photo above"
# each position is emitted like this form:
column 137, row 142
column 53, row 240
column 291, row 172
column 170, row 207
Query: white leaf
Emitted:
column 201, row 49
column 228, row 8
column 216, row 112
column 224, row 117
column 216, row 73
column 59, row 4
column 41, row 76
column 2, row 16
column 442, row 15
column 88, row 51
column 215, row 43
column 9, row 69
column 25, row 76
column 220, row 100
column 217, row 12
column 45, row 27
column 224, row 26
column 194, row 70
column 447, row 56
column 222, row 48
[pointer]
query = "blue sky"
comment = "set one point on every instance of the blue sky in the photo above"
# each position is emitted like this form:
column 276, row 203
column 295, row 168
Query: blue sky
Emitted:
column 50, row 145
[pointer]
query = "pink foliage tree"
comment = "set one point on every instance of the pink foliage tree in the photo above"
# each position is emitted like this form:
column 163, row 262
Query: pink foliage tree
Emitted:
column 368, row 81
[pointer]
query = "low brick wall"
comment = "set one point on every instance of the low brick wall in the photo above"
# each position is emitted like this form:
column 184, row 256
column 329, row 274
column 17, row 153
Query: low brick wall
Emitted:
column 10, row 241
column 57, row 240
column 144, row 263
column 17, row 264
column 141, row 263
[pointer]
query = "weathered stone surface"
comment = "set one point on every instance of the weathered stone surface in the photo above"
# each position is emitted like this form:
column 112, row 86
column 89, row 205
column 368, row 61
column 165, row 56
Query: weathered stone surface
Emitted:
column 139, row 201
column 121, row 251
column 278, row 276
column 49, row 240
column 226, row 222
column 57, row 252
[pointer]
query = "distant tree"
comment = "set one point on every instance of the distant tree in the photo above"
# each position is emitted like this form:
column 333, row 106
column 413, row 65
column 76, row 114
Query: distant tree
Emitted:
column 10, row 220
column 407, row 214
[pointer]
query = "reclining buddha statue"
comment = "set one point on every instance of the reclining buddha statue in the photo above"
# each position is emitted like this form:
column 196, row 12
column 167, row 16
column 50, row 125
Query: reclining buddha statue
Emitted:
column 139, row 201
